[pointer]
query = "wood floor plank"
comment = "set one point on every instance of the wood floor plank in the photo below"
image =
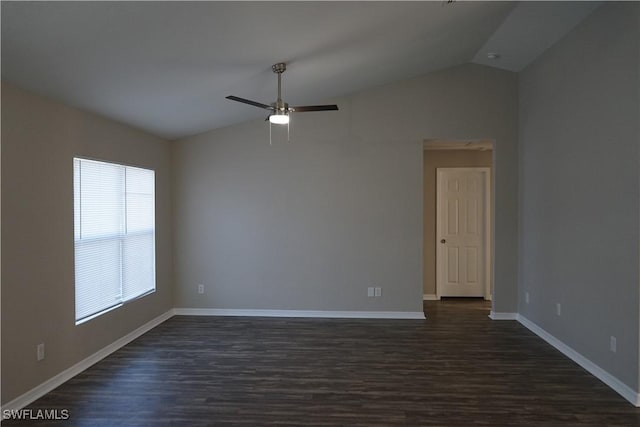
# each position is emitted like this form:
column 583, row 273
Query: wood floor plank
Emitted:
column 456, row 368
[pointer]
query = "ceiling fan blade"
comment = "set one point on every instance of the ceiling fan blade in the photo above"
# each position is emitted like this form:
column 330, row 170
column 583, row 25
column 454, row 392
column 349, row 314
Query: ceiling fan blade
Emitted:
column 250, row 102
column 304, row 108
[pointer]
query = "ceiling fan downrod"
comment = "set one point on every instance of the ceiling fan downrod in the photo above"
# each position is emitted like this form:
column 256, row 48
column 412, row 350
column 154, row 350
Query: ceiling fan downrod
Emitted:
column 280, row 68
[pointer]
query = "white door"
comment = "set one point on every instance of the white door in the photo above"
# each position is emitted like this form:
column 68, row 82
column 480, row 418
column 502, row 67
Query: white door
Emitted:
column 462, row 264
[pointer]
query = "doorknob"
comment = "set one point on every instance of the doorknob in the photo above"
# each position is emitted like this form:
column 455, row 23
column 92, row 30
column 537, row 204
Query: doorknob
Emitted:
column 443, row 241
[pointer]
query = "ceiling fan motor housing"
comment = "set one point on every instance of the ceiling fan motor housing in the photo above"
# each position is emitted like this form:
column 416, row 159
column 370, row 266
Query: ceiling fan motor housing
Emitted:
column 280, row 105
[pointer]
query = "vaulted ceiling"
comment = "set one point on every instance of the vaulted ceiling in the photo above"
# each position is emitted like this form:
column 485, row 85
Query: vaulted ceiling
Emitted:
column 166, row 67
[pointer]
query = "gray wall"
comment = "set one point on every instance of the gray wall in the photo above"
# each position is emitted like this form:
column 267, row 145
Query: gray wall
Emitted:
column 39, row 140
column 579, row 189
column 313, row 223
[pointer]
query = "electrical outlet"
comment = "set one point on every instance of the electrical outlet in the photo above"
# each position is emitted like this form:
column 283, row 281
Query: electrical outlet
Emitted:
column 201, row 289
column 40, row 351
column 526, row 297
column 558, row 309
column 613, row 344
column 378, row 292
column 370, row 292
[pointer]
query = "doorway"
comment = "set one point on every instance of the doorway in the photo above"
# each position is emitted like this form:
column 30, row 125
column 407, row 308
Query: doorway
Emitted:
column 454, row 154
column 462, row 230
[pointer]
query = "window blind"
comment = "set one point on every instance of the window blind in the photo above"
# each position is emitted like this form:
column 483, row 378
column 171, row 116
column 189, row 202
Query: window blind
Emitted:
column 114, row 235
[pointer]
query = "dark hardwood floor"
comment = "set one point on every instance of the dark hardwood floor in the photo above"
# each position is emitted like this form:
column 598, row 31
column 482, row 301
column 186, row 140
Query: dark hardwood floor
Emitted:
column 457, row 368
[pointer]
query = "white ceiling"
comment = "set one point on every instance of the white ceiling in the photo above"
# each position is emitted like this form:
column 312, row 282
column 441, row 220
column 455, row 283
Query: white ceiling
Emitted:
column 530, row 29
column 166, row 67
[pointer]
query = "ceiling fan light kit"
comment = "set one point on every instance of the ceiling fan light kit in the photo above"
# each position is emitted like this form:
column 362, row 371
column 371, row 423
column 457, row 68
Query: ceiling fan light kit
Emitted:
column 279, row 118
column 280, row 110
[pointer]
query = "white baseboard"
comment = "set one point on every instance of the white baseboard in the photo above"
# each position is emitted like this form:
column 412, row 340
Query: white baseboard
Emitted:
column 503, row 316
column 64, row 376
column 300, row 313
column 617, row 385
column 430, row 297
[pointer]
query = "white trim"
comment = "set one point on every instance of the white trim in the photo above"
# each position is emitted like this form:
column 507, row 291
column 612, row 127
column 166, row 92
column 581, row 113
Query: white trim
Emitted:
column 458, row 144
column 430, row 297
column 64, row 376
column 488, row 233
column 503, row 316
column 617, row 385
column 299, row 313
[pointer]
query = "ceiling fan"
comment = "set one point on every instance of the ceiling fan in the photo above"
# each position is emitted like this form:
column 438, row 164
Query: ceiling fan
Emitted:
column 280, row 110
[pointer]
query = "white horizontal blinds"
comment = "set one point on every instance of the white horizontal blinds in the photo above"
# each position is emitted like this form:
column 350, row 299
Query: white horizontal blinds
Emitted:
column 114, row 235
column 99, row 196
column 97, row 276
column 138, row 272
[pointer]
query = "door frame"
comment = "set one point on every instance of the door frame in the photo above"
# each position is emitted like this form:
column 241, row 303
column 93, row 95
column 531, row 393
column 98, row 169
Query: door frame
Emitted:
column 487, row 227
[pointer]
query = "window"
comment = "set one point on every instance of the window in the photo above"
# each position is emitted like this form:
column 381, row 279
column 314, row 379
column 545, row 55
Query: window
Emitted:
column 114, row 235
